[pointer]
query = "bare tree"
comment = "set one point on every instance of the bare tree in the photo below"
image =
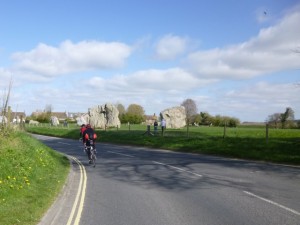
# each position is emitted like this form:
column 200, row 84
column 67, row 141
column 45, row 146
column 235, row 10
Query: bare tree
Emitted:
column 5, row 112
column 48, row 108
column 274, row 119
column 121, row 109
column 6, row 98
column 190, row 108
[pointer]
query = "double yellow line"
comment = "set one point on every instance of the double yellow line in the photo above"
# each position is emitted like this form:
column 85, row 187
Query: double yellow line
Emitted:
column 78, row 204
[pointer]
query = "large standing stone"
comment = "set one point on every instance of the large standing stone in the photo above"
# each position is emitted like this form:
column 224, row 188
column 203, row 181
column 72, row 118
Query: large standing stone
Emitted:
column 54, row 121
column 103, row 116
column 33, row 122
column 175, row 117
column 82, row 119
column 3, row 119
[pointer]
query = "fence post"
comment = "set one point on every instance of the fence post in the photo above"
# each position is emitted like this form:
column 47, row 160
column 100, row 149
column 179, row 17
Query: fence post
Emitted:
column 267, row 133
column 224, row 135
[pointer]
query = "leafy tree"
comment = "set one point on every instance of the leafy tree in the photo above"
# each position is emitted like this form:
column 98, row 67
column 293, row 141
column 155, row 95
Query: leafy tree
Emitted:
column 135, row 114
column 233, row 122
column 217, row 121
column 206, row 119
column 288, row 115
column 222, row 120
column 135, row 109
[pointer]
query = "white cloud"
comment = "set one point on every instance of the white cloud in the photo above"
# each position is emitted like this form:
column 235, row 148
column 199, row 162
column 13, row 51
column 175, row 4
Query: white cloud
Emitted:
column 170, row 46
column 270, row 51
column 254, row 102
column 49, row 61
column 150, row 81
column 6, row 76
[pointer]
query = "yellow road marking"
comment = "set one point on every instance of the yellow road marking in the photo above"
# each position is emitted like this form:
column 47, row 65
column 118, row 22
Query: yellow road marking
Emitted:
column 80, row 194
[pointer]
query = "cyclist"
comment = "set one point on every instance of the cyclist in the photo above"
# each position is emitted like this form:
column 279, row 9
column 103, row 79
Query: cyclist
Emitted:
column 82, row 129
column 89, row 139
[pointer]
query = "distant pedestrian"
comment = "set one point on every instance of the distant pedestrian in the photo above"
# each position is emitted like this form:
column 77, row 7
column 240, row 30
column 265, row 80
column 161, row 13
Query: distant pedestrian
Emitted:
column 163, row 126
column 155, row 126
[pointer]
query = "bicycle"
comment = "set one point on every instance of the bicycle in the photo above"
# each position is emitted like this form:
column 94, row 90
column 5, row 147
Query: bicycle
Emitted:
column 92, row 151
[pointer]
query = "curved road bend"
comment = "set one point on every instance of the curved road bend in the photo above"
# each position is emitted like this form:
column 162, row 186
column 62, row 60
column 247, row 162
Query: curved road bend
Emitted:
column 140, row 186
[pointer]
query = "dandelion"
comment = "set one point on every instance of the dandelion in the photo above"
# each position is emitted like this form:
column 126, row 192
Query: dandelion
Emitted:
column 0, row 181
column 8, row 177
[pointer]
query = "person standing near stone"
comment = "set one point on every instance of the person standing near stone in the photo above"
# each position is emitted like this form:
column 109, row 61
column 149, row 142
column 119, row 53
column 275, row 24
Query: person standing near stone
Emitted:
column 155, row 126
column 163, row 126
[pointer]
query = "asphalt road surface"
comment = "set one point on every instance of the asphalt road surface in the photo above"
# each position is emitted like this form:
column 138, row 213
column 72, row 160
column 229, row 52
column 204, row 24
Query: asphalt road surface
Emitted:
column 140, row 186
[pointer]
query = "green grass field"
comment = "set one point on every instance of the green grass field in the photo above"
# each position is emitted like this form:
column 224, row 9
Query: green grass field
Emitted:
column 31, row 176
column 282, row 146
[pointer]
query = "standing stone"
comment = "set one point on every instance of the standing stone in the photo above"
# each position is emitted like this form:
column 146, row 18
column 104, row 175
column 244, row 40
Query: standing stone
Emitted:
column 81, row 119
column 175, row 117
column 103, row 116
column 3, row 119
column 54, row 121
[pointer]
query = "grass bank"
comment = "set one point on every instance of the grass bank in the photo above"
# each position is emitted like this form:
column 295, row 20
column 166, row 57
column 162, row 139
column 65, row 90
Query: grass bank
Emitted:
column 282, row 146
column 31, row 176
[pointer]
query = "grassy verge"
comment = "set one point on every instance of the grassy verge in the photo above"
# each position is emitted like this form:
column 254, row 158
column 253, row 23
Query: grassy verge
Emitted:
column 31, row 176
column 283, row 146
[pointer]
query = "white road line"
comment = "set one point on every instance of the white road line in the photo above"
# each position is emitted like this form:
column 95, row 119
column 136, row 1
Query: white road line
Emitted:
column 63, row 143
column 273, row 203
column 121, row 154
column 177, row 168
column 80, row 192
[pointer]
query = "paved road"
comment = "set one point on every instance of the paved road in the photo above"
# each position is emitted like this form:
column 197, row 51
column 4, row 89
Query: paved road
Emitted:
column 139, row 186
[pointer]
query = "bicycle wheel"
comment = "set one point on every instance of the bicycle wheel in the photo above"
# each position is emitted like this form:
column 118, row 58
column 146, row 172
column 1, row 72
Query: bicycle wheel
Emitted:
column 93, row 156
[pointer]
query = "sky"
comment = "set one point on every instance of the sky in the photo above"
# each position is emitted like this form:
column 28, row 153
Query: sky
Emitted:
column 237, row 58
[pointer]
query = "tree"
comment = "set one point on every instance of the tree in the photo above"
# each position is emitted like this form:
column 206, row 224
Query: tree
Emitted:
column 135, row 114
column 121, row 110
column 135, row 109
column 190, row 109
column 206, row 119
column 48, row 108
column 288, row 115
column 274, row 119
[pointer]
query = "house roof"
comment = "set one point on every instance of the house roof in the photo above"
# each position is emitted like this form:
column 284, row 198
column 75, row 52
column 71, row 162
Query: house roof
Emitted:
column 60, row 115
column 16, row 114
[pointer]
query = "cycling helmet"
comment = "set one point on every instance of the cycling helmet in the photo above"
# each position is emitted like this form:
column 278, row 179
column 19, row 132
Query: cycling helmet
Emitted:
column 88, row 126
column 83, row 125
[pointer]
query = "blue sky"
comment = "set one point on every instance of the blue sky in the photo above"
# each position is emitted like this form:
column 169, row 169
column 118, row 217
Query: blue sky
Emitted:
column 233, row 58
